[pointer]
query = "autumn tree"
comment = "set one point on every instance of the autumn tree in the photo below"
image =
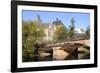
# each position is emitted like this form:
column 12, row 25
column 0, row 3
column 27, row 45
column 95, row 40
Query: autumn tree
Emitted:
column 60, row 34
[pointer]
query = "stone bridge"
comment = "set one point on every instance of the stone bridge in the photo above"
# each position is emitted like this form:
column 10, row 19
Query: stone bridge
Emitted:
column 65, row 50
column 85, row 42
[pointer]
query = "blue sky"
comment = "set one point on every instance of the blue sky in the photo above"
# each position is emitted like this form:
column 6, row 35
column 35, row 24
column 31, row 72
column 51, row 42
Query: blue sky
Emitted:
column 82, row 20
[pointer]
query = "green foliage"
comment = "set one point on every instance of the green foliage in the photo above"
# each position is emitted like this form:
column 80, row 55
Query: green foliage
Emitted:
column 30, row 35
column 64, row 34
column 87, row 32
column 60, row 33
column 71, row 30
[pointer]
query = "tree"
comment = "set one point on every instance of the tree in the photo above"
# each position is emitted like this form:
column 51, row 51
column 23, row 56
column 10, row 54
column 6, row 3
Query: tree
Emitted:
column 30, row 35
column 87, row 32
column 71, row 29
column 60, row 34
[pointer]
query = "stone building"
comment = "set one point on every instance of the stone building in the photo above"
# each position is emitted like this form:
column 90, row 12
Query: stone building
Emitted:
column 49, row 28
